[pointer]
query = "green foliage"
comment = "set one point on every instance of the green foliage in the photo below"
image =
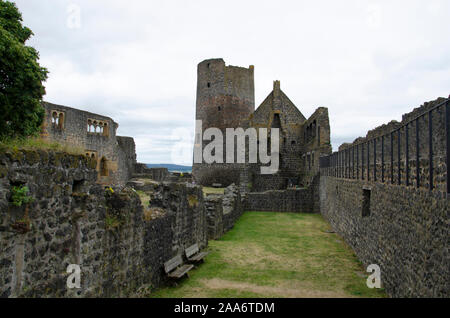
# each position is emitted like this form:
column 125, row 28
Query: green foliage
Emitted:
column 112, row 222
column 21, row 76
column 145, row 197
column 20, row 195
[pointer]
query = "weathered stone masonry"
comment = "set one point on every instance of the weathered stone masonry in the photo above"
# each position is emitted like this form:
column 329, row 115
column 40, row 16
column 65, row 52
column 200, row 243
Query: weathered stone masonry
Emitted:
column 225, row 99
column 402, row 228
column 94, row 135
column 223, row 211
column 119, row 245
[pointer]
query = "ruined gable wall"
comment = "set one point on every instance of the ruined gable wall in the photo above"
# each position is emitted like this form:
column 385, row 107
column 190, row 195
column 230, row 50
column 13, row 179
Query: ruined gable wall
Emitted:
column 277, row 111
column 126, row 157
column 73, row 131
column 317, row 143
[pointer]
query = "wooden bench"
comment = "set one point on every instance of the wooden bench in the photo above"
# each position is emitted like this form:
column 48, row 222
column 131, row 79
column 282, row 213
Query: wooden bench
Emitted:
column 194, row 255
column 175, row 268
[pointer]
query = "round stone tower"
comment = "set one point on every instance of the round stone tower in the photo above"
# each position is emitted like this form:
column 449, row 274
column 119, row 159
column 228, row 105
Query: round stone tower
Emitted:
column 225, row 99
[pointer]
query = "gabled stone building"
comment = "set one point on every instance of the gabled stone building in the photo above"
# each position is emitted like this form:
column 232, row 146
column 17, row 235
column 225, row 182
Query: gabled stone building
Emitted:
column 301, row 142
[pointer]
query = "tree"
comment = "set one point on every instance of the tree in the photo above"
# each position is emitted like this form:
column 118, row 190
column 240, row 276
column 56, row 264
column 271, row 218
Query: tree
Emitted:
column 21, row 77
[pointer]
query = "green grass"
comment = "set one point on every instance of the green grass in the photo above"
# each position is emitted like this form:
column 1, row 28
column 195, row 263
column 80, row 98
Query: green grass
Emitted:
column 276, row 255
column 37, row 143
column 145, row 198
column 210, row 190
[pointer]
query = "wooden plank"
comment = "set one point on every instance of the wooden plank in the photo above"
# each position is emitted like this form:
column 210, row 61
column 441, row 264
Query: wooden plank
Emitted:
column 191, row 250
column 173, row 263
column 181, row 271
column 198, row 257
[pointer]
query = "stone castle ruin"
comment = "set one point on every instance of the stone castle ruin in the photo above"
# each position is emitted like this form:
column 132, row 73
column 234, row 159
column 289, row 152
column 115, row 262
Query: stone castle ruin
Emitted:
column 386, row 194
column 226, row 99
column 95, row 135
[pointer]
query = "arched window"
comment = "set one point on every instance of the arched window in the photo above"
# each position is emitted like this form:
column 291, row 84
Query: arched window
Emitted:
column 54, row 117
column 103, row 167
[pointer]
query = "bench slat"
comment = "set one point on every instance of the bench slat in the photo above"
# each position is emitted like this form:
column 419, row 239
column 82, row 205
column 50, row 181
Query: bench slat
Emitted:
column 173, row 263
column 198, row 257
column 191, row 250
column 181, row 271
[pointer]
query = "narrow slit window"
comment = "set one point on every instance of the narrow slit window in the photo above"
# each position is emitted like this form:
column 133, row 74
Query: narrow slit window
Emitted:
column 366, row 203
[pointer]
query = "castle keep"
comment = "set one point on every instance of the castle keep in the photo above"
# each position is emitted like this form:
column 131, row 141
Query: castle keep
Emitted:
column 225, row 99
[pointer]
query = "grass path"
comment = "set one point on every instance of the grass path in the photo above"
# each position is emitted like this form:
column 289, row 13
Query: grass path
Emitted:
column 276, row 255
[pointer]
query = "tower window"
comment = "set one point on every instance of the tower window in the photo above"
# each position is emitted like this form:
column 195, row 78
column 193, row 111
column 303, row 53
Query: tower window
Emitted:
column 219, row 108
column 209, row 65
column 209, row 84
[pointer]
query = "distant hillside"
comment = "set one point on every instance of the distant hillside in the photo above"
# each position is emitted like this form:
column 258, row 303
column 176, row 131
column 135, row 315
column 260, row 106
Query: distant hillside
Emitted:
column 170, row 167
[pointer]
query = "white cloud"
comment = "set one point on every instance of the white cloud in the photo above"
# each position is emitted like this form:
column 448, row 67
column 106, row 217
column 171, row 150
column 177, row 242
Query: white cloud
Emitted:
column 367, row 61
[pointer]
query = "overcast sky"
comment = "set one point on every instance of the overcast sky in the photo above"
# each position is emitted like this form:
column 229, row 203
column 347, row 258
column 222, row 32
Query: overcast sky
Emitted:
column 368, row 61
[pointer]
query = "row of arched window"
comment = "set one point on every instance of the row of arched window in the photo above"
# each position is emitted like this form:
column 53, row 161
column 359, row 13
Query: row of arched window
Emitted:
column 97, row 127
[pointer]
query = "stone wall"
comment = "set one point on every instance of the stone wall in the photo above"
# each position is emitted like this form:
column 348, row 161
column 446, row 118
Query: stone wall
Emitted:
column 223, row 211
column 316, row 133
column 157, row 174
column 383, row 206
column 405, row 232
column 94, row 135
column 126, row 158
column 119, row 245
column 303, row 200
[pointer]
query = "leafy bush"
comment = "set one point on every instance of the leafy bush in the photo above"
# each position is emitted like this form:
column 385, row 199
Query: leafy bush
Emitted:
column 20, row 195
